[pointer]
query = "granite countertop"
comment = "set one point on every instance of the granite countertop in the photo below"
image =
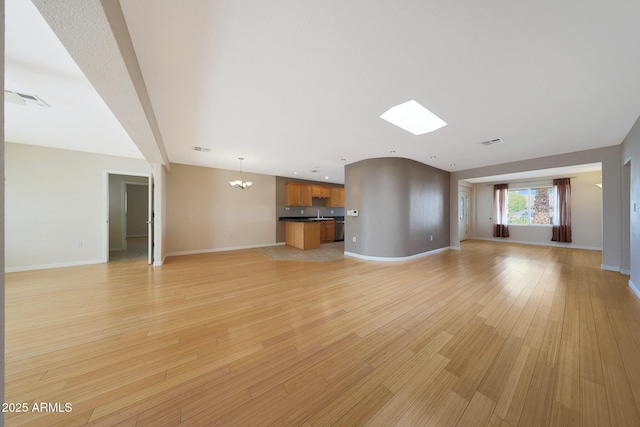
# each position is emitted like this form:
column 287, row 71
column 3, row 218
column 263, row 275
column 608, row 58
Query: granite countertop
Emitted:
column 309, row 219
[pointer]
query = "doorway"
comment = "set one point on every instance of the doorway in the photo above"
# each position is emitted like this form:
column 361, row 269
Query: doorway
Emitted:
column 463, row 212
column 128, row 211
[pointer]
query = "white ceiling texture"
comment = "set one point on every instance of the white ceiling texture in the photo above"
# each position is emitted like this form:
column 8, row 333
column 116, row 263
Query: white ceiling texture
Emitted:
column 295, row 86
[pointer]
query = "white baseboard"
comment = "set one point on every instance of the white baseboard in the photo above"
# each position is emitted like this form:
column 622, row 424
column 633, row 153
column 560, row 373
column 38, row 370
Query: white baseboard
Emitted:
column 634, row 288
column 610, row 268
column 395, row 259
column 55, row 265
column 233, row 248
column 554, row 244
column 625, row 272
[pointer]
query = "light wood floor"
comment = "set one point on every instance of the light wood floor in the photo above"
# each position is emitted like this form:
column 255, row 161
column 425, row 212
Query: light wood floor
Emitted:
column 495, row 334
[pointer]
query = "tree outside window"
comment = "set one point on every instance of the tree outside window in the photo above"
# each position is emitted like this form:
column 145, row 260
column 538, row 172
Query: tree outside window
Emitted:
column 531, row 206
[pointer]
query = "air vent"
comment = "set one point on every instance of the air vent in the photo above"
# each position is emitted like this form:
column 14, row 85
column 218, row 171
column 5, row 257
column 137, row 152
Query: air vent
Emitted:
column 201, row 149
column 23, row 99
column 491, row 141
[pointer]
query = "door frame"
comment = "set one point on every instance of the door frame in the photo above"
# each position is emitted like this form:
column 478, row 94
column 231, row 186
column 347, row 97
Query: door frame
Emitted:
column 467, row 213
column 105, row 191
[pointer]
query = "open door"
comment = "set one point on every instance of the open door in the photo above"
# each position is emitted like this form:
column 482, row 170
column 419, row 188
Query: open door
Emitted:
column 463, row 213
column 150, row 220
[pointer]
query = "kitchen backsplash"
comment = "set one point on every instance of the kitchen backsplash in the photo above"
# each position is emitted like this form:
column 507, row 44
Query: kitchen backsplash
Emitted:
column 308, row 211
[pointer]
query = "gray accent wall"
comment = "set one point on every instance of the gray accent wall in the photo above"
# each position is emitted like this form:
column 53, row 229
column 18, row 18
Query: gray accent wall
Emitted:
column 401, row 204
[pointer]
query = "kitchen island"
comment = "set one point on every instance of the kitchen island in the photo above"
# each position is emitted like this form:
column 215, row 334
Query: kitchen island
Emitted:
column 308, row 233
column 302, row 234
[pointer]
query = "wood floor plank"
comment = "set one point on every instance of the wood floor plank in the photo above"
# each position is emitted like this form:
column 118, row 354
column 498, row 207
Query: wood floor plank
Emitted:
column 449, row 411
column 594, row 409
column 495, row 334
column 345, row 403
column 567, row 391
column 622, row 407
column 365, row 408
column 478, row 412
column 539, row 403
column 424, row 408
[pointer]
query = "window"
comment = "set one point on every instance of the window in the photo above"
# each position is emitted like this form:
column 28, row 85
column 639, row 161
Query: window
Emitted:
column 531, row 206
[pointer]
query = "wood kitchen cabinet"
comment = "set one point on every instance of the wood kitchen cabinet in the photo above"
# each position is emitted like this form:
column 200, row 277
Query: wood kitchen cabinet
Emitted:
column 336, row 199
column 327, row 231
column 302, row 235
column 298, row 194
column 320, row 191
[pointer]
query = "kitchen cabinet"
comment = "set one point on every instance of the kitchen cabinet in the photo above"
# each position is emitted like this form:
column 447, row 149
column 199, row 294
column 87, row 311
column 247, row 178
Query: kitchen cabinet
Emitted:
column 298, row 194
column 320, row 191
column 336, row 199
column 327, row 231
column 302, row 235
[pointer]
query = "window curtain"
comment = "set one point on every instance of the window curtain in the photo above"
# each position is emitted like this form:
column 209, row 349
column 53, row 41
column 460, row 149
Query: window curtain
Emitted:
column 500, row 210
column 562, row 211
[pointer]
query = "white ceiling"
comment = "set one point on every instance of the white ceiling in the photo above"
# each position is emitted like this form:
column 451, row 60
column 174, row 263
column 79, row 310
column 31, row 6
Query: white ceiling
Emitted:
column 36, row 63
column 293, row 86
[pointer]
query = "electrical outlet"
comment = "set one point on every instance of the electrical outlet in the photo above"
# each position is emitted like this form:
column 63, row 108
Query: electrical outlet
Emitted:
column 301, row 211
column 79, row 245
column 331, row 212
column 353, row 239
column 431, row 237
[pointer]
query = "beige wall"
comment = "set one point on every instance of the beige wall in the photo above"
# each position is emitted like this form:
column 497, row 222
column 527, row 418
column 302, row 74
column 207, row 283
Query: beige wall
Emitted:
column 586, row 215
column 205, row 214
column 56, row 205
column 609, row 157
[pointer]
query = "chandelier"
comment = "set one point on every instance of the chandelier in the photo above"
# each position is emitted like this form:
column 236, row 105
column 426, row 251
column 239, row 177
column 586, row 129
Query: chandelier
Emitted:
column 239, row 183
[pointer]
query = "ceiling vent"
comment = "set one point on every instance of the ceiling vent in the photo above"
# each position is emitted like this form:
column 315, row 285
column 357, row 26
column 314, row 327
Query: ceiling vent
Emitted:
column 491, row 141
column 201, row 149
column 23, row 99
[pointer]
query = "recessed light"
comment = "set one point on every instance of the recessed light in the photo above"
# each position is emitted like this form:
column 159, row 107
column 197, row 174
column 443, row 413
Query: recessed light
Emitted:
column 295, row 173
column 326, row 177
column 452, row 164
column 413, row 118
column 433, row 157
column 343, row 160
column 392, row 151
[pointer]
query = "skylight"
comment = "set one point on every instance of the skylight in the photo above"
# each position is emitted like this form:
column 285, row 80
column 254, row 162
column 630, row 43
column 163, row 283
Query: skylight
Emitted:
column 413, row 118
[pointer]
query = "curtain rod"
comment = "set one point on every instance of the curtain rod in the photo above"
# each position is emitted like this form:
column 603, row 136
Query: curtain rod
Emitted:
column 529, row 182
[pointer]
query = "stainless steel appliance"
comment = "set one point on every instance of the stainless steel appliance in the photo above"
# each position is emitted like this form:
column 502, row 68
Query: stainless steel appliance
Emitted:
column 340, row 229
